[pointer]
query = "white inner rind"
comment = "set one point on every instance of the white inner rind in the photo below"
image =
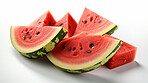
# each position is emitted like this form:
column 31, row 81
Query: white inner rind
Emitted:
column 29, row 50
column 106, row 29
column 85, row 65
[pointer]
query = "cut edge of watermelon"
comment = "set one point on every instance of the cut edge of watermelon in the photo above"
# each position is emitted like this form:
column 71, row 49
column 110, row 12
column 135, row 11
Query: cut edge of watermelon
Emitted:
column 87, row 66
column 29, row 50
column 111, row 29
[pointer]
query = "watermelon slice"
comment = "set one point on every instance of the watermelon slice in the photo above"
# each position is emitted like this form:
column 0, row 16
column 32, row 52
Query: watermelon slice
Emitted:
column 68, row 23
column 124, row 55
column 44, row 20
column 93, row 23
column 83, row 52
column 34, row 42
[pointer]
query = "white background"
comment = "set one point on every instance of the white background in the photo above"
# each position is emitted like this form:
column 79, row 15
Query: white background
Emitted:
column 130, row 15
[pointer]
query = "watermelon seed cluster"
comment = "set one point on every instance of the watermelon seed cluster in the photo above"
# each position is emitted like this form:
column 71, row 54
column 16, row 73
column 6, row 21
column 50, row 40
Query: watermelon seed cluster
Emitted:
column 91, row 19
column 30, row 35
column 27, row 31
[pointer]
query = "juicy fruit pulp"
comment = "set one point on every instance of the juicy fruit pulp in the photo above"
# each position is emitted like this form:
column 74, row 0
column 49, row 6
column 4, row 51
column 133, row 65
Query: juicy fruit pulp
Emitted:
column 68, row 23
column 80, row 53
column 44, row 20
column 124, row 55
column 35, row 42
column 93, row 23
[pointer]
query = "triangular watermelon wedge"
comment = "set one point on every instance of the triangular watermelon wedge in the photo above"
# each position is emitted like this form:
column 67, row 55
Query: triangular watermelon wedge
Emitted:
column 82, row 53
column 124, row 55
column 68, row 23
column 93, row 23
column 44, row 20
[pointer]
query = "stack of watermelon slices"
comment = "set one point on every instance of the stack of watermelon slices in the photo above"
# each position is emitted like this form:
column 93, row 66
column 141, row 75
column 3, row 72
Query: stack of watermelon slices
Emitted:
column 87, row 45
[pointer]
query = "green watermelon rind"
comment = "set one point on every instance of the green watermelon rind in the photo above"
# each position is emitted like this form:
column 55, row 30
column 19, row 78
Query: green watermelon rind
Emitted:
column 83, row 70
column 109, row 30
column 51, row 45
column 112, row 30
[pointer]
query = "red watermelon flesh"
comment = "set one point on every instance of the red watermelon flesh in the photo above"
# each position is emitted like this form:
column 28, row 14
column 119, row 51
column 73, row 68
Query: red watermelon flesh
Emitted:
column 124, row 55
column 68, row 23
column 30, row 37
column 94, row 23
column 44, row 20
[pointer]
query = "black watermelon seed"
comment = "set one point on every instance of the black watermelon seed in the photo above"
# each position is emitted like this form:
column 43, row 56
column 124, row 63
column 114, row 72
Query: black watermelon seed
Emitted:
column 63, row 46
column 99, row 21
column 69, row 27
column 24, row 37
column 37, row 33
column 61, row 24
column 85, row 22
column 88, row 51
column 30, row 37
column 27, row 33
column 91, row 45
column 49, row 22
column 74, row 49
